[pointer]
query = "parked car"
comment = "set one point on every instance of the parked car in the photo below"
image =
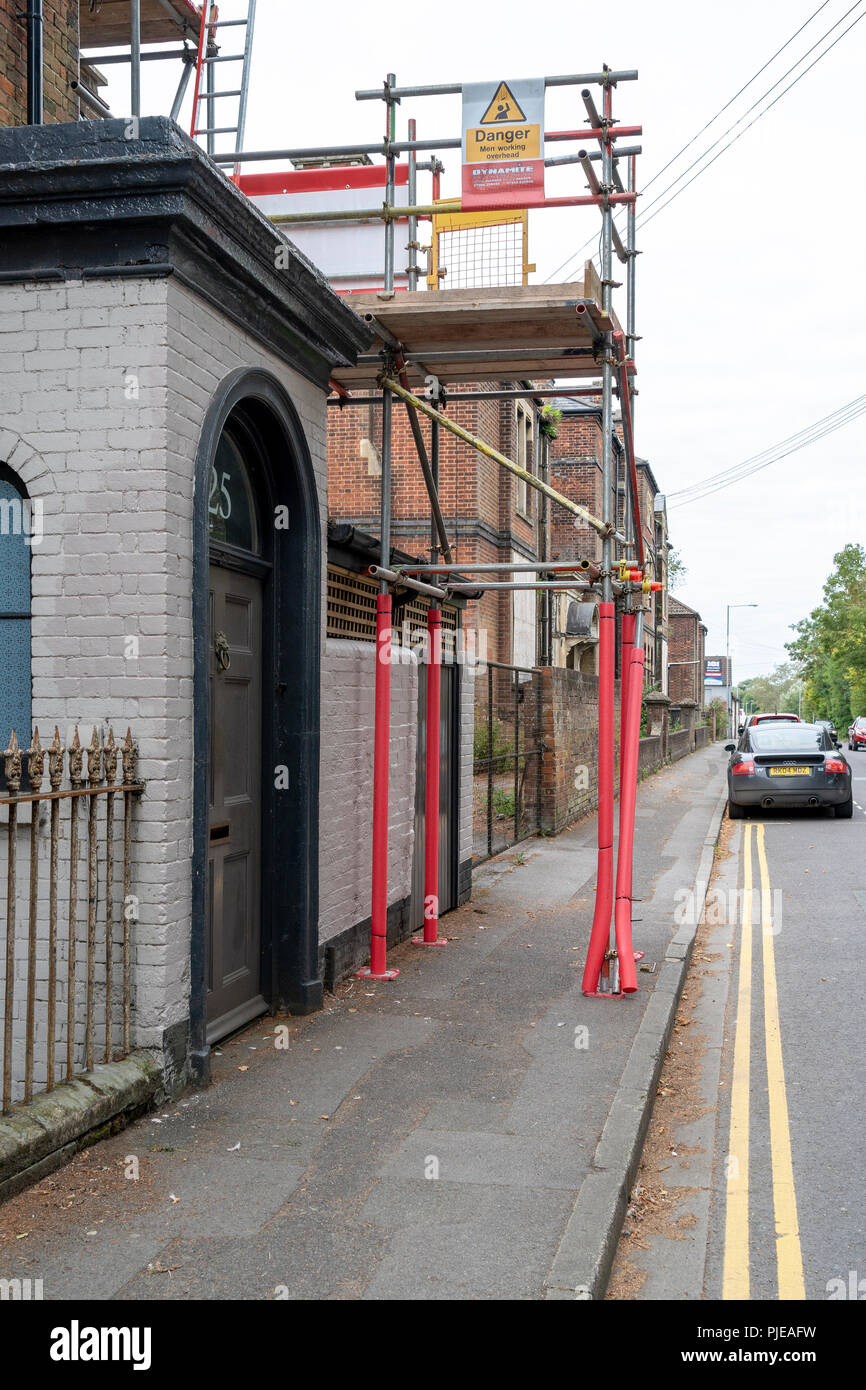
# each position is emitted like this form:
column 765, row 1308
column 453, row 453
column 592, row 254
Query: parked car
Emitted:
column 763, row 718
column 788, row 764
column 857, row 734
column 830, row 727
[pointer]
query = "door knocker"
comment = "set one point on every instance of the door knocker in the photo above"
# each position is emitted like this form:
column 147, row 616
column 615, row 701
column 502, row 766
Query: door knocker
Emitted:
column 221, row 651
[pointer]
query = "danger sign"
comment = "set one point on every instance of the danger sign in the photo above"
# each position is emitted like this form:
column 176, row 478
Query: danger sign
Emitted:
column 503, row 144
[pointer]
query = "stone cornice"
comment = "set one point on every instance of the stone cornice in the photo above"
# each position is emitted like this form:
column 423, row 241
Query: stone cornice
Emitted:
column 82, row 201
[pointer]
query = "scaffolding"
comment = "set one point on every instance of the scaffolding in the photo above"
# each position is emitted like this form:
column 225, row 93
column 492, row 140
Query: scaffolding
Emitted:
column 427, row 342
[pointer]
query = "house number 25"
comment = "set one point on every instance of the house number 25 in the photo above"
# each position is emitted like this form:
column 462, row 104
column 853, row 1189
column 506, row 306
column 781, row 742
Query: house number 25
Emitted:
column 219, row 501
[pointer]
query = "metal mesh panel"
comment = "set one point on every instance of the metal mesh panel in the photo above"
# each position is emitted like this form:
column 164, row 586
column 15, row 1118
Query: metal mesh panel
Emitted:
column 476, row 257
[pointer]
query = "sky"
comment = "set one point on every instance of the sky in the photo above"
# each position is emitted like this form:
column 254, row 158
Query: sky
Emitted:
column 751, row 294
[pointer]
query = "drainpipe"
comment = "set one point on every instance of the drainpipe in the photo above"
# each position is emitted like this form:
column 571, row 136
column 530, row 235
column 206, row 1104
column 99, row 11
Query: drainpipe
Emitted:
column 34, row 62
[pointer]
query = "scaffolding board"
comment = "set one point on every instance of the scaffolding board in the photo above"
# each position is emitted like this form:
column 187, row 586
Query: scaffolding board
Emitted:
column 161, row 21
column 533, row 332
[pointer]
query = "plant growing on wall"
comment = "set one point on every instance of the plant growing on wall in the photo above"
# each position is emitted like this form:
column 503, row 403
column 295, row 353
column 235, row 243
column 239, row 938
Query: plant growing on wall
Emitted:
column 549, row 421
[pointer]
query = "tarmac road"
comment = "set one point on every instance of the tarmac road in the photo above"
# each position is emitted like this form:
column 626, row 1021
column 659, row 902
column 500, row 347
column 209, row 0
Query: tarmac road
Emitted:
column 774, row 1204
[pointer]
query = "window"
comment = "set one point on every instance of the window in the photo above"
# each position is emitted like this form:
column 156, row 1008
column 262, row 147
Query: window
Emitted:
column 231, row 505
column 15, row 543
column 525, row 457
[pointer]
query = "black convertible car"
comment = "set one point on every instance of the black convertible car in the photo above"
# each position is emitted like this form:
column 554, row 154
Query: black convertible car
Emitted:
column 788, row 765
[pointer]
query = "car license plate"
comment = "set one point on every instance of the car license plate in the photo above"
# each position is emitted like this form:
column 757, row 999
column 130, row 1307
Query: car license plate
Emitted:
column 789, row 771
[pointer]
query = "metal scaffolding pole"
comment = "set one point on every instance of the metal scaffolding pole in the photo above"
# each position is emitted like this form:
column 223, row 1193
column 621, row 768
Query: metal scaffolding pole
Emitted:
column 502, row 567
column 580, row 79
column 506, row 394
column 630, row 273
column 604, row 527
column 412, row 268
column 135, row 56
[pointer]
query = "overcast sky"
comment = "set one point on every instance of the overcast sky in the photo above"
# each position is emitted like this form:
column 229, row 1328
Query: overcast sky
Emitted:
column 751, row 290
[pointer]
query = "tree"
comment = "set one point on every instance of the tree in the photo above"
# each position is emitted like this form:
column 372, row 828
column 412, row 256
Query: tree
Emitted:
column 779, row 692
column 677, row 568
column 830, row 645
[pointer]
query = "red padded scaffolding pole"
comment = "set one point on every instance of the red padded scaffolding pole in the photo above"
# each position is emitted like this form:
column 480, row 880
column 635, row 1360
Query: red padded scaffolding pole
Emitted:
column 431, row 935
column 628, row 796
column 600, row 934
column 624, row 672
column 381, row 757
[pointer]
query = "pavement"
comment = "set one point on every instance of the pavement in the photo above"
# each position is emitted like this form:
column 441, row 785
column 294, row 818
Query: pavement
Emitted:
column 467, row 1131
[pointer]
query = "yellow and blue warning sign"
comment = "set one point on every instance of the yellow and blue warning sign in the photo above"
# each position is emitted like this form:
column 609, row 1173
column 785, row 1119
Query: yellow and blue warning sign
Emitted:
column 503, row 144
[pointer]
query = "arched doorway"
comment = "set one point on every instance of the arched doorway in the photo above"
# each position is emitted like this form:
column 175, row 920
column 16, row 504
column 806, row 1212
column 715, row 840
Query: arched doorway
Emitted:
column 257, row 603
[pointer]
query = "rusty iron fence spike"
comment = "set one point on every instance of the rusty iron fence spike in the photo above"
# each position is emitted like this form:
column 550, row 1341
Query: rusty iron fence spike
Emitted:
column 76, row 1034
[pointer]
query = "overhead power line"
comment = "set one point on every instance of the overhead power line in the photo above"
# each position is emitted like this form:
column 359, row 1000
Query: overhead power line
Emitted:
column 811, row 434
column 642, row 217
column 730, row 102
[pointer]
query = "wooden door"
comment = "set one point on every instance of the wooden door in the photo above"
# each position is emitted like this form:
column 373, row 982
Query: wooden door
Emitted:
column 234, row 774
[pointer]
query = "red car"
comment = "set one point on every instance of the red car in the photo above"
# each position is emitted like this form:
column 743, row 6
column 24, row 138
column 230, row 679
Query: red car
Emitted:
column 762, row 718
column 857, row 734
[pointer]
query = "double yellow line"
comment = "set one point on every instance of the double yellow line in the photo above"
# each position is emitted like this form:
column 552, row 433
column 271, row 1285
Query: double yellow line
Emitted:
column 789, row 1259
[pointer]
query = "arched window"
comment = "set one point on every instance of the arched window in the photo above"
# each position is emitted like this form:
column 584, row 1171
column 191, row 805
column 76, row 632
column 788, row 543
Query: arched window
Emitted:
column 15, row 543
column 232, row 518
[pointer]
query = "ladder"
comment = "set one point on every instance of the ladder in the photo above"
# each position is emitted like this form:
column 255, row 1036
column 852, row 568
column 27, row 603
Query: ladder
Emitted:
column 206, row 121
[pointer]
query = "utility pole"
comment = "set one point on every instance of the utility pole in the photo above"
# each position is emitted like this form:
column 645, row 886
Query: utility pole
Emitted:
column 728, row 681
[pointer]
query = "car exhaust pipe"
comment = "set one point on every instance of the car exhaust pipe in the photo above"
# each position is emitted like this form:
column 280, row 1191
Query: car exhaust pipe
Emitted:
column 813, row 801
column 768, row 801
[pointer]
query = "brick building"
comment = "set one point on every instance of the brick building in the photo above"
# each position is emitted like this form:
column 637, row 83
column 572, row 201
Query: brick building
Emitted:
column 489, row 514
column 576, row 470
column 687, row 651
column 61, row 69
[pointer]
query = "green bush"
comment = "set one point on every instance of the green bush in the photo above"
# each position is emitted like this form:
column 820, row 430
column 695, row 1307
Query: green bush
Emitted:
column 503, row 803
column 483, row 747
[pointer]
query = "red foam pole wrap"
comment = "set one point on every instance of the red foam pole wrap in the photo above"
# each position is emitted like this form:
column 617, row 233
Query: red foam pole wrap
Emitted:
column 431, row 788
column 381, row 757
column 600, row 934
column 625, row 854
column 624, row 671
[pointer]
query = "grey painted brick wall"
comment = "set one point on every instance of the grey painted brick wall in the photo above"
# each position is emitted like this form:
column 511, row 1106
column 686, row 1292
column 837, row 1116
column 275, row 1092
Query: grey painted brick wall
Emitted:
column 104, row 386
column 346, row 782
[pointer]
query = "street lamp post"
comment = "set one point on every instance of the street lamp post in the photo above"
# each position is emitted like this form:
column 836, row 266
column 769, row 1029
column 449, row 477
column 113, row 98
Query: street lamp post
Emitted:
column 728, row 654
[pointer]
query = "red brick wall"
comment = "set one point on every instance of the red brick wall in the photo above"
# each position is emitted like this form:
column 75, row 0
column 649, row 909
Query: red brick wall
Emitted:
column 685, row 645
column 60, row 61
column 475, row 493
column 575, row 471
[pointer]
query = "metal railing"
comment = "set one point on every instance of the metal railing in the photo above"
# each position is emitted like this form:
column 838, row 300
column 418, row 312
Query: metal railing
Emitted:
column 70, row 942
column 507, row 763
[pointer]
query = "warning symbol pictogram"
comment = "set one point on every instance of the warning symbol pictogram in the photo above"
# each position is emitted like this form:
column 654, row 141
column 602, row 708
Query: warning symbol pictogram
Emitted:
column 503, row 107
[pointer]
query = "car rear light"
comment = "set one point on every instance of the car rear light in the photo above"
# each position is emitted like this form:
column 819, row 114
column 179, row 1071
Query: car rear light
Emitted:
column 746, row 768
column 835, row 765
